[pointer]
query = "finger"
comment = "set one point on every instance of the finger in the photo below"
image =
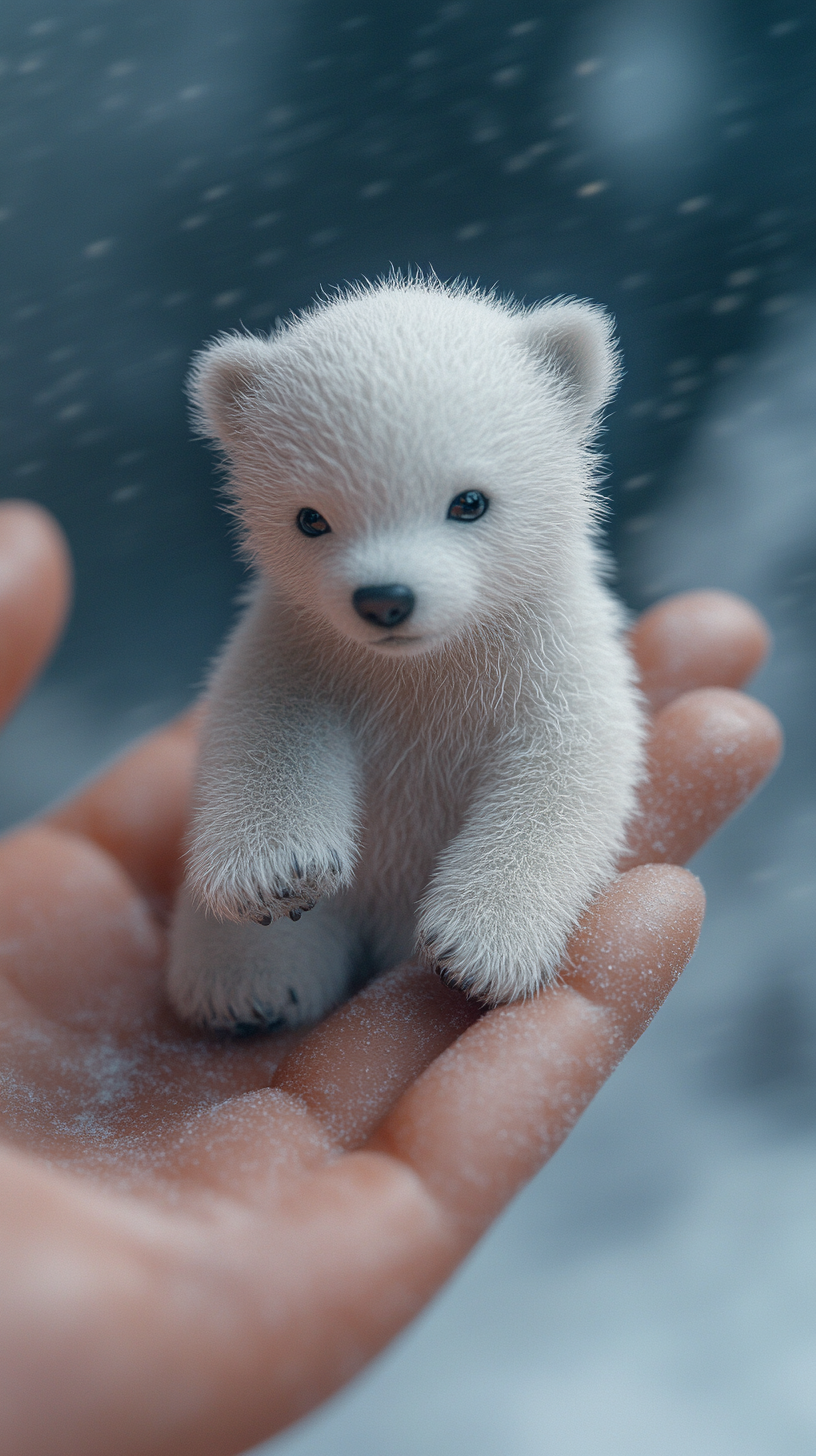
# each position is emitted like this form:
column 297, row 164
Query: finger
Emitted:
column 708, row 752
column 138, row 809
column 35, row 590
column 695, row 640
column 498, row 1103
column 351, row 1070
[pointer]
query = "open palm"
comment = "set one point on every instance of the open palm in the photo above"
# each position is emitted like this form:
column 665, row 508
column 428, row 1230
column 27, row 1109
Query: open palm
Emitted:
column 204, row 1237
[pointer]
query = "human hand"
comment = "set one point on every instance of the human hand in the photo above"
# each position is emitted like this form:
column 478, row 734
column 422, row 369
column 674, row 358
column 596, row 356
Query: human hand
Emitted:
column 203, row 1237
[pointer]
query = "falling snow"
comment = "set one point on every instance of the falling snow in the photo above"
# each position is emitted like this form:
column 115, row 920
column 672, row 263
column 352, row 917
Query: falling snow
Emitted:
column 167, row 176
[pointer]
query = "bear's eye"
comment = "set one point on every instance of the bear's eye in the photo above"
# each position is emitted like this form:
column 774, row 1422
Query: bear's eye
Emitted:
column 468, row 506
column 311, row 523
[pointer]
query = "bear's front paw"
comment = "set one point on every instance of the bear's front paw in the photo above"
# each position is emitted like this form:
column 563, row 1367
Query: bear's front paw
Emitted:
column 492, row 947
column 263, row 893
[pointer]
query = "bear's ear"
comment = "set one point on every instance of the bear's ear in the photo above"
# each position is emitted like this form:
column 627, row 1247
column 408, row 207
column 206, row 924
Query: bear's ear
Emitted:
column 223, row 379
column 575, row 341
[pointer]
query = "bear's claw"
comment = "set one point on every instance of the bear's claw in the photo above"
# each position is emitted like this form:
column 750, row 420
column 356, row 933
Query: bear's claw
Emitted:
column 306, row 885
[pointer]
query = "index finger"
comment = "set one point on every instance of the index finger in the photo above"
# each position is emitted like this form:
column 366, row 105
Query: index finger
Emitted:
column 498, row 1103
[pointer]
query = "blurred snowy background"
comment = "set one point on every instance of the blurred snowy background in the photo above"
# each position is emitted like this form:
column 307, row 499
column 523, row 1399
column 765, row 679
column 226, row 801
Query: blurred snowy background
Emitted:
column 171, row 170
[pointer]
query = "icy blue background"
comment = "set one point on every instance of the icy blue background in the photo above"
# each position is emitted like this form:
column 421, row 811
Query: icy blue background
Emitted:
column 170, row 170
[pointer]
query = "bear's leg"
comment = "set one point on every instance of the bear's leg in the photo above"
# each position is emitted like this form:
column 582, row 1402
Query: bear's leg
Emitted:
column 234, row 977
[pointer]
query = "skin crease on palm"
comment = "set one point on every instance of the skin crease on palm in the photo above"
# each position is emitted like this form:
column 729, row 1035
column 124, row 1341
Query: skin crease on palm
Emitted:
column 202, row 1237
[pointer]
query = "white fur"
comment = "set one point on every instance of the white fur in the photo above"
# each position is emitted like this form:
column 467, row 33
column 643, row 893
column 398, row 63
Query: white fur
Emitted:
column 460, row 784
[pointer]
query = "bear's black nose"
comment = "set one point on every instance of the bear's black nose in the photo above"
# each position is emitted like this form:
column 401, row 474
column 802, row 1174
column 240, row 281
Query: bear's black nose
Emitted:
column 384, row 606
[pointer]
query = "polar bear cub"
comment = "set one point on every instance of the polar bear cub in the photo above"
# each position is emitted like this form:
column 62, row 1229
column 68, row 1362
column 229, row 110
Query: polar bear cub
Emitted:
column 424, row 731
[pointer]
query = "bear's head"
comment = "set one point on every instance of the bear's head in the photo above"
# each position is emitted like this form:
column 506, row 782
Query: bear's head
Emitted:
column 411, row 461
